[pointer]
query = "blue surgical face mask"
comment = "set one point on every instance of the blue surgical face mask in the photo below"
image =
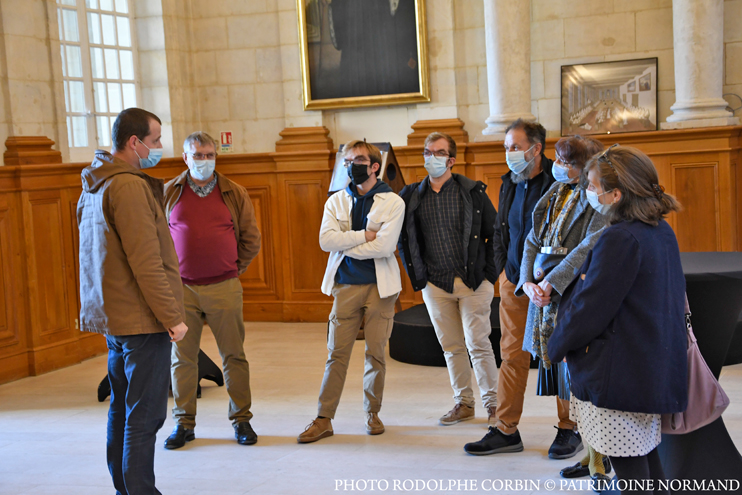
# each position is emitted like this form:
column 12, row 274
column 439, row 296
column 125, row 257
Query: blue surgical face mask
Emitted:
column 561, row 174
column 594, row 199
column 155, row 154
column 201, row 169
column 516, row 160
column 436, row 165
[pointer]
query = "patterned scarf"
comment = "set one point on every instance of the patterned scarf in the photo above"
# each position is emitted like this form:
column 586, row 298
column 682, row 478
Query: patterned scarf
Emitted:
column 561, row 203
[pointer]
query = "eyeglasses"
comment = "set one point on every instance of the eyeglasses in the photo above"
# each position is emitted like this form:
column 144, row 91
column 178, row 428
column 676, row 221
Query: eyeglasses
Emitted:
column 439, row 153
column 201, row 156
column 358, row 160
column 562, row 160
column 604, row 157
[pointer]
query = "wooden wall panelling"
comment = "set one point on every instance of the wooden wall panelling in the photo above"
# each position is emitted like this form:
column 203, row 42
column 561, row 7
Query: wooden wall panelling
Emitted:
column 303, row 161
column 14, row 362
column 50, row 281
column 696, row 186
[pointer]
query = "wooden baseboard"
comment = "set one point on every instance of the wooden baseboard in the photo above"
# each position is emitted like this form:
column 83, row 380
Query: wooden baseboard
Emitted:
column 287, row 311
column 91, row 345
column 14, row 367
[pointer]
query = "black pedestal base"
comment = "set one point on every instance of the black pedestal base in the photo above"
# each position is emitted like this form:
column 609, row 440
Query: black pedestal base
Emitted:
column 206, row 369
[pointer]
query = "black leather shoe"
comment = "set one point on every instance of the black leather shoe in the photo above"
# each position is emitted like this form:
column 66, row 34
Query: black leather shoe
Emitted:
column 566, row 444
column 179, row 437
column 600, row 482
column 244, row 434
column 580, row 471
column 495, row 442
column 576, row 471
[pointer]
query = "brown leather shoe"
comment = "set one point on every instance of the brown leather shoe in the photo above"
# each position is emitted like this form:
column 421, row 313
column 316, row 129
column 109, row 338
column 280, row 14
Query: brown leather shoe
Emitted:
column 460, row 412
column 316, row 430
column 491, row 416
column 374, row 426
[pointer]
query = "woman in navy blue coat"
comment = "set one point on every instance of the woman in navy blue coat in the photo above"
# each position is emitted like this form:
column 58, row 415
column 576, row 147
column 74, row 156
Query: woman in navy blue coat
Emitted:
column 621, row 324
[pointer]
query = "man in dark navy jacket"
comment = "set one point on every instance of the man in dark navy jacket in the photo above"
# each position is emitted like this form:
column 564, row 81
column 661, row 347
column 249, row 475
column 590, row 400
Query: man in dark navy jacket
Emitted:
column 528, row 179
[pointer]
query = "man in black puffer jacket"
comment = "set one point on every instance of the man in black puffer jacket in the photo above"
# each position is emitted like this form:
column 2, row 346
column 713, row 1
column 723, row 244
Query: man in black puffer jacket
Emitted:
column 446, row 247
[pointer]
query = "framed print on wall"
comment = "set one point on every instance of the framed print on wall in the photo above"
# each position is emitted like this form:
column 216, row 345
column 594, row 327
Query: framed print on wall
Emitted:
column 361, row 53
column 609, row 97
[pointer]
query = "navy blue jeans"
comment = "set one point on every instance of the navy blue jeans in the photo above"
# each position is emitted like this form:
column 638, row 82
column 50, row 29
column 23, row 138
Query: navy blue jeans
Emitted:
column 139, row 372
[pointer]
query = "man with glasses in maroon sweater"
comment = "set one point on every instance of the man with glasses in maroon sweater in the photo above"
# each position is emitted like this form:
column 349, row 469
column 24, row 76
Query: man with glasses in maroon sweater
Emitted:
column 213, row 225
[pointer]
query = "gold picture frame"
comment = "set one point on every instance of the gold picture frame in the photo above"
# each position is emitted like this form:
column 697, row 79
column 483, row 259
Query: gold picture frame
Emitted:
column 380, row 67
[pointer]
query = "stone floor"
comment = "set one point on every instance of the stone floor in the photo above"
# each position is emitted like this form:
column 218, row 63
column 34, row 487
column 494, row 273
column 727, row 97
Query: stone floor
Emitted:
column 52, row 432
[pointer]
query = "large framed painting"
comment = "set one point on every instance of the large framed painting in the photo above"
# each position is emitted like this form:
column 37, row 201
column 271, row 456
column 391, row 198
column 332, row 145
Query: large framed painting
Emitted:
column 609, row 97
column 360, row 53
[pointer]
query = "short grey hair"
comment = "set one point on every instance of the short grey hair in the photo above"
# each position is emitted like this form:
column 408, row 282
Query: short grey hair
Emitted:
column 201, row 138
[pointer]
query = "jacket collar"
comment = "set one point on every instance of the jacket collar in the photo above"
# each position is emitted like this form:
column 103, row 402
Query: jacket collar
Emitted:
column 221, row 181
column 464, row 182
column 546, row 165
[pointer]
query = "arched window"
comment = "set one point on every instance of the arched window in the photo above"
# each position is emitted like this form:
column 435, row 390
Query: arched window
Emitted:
column 99, row 69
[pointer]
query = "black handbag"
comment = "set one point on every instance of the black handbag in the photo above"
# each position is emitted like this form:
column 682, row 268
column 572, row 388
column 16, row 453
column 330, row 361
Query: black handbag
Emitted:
column 546, row 260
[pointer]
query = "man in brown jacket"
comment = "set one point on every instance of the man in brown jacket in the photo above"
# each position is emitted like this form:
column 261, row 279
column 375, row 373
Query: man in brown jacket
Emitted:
column 213, row 225
column 130, row 291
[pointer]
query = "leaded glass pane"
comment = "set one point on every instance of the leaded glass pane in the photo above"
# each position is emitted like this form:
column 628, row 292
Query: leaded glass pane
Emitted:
column 122, row 6
column 124, row 31
column 77, row 96
column 127, row 65
column 101, row 100
column 112, row 63
column 96, row 63
column 94, row 28
column 104, row 132
column 130, row 95
column 74, row 61
column 79, row 131
column 71, row 33
column 114, row 98
column 109, row 29
column 64, row 62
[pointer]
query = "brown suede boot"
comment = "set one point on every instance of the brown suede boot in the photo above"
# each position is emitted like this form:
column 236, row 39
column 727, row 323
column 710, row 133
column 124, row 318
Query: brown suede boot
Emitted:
column 374, row 426
column 318, row 429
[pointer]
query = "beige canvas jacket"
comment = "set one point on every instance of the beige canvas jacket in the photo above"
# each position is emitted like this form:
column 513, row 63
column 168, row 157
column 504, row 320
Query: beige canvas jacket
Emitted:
column 129, row 277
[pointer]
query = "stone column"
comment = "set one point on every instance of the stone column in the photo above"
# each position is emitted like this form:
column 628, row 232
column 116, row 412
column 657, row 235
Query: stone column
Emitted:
column 698, row 35
column 507, row 28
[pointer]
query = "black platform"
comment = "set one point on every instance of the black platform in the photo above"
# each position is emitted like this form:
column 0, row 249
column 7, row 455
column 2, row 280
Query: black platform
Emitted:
column 413, row 339
column 206, row 369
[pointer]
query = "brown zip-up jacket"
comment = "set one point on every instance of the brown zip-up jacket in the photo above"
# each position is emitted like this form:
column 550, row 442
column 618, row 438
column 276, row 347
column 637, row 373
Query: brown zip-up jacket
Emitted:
column 129, row 277
column 240, row 208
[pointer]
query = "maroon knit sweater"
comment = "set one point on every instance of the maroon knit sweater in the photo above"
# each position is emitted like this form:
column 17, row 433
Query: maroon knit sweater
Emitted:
column 204, row 238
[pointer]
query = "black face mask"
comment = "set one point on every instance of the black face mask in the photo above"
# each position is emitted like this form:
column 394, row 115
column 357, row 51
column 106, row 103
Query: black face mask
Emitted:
column 358, row 173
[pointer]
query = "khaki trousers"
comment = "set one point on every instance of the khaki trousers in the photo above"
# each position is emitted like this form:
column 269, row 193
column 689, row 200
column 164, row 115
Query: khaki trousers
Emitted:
column 221, row 305
column 352, row 303
column 515, row 362
column 462, row 322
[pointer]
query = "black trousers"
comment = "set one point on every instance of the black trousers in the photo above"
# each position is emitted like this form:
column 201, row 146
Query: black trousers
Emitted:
column 638, row 471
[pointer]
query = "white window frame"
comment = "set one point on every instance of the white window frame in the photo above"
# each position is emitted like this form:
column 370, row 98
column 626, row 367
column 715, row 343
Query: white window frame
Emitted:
column 90, row 112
